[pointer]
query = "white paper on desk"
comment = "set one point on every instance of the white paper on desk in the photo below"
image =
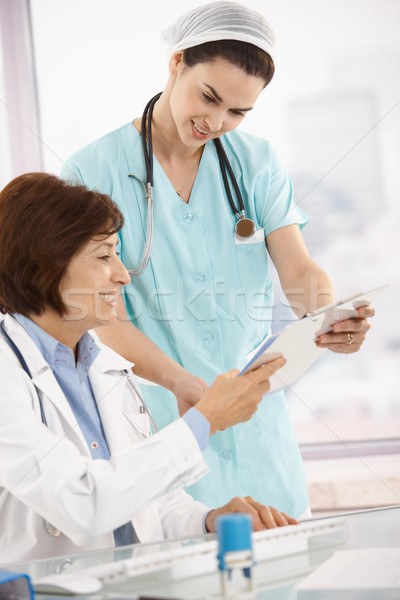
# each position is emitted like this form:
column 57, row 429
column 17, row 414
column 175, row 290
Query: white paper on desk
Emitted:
column 296, row 341
column 359, row 569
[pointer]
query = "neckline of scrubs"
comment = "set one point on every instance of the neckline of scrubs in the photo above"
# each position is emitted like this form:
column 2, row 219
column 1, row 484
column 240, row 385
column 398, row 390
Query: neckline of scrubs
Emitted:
column 159, row 172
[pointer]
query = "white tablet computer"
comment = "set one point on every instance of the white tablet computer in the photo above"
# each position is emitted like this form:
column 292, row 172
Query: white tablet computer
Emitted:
column 296, row 341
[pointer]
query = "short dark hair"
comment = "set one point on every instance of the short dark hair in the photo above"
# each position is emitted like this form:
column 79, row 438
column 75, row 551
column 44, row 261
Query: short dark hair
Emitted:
column 251, row 59
column 44, row 223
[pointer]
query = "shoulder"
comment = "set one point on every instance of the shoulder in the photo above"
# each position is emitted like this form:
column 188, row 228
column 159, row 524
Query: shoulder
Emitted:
column 101, row 145
column 97, row 160
column 248, row 141
column 10, row 369
column 13, row 379
column 251, row 151
column 24, row 343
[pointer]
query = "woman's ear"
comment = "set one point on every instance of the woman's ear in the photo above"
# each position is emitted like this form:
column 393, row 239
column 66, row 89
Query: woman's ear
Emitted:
column 175, row 62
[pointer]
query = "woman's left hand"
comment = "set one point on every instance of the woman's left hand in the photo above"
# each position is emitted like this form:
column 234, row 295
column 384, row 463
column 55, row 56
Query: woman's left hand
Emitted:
column 263, row 517
column 347, row 336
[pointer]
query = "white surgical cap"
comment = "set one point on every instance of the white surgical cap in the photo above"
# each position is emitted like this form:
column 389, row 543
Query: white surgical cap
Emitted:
column 219, row 21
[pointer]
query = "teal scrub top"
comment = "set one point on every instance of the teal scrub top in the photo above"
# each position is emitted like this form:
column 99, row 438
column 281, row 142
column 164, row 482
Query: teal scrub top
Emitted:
column 205, row 298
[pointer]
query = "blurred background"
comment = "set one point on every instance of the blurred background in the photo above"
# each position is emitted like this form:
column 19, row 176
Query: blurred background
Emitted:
column 72, row 70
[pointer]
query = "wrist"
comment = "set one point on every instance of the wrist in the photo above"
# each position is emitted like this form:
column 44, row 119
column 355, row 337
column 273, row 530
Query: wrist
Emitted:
column 173, row 376
column 209, row 521
column 207, row 413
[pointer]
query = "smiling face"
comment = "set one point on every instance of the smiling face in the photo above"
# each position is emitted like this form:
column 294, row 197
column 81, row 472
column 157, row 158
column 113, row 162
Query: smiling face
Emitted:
column 92, row 284
column 210, row 99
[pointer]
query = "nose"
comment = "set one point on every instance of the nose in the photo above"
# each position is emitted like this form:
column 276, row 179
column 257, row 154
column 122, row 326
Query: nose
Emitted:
column 215, row 120
column 120, row 274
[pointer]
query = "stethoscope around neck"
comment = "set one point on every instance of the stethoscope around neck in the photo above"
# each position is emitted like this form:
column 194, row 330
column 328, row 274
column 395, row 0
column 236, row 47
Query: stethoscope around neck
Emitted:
column 244, row 227
column 144, row 409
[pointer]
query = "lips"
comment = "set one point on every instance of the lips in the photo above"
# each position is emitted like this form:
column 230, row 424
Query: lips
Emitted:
column 110, row 299
column 199, row 132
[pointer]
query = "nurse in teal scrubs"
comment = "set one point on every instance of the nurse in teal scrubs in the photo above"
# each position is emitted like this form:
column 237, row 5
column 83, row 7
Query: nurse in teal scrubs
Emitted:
column 205, row 299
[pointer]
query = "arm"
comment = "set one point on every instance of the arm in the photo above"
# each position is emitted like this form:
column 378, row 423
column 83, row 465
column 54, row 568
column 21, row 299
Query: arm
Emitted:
column 83, row 498
column 47, row 472
column 305, row 284
column 151, row 362
column 308, row 287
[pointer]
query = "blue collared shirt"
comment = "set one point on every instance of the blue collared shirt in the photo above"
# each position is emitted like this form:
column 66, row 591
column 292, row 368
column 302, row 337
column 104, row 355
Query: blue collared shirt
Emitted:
column 73, row 379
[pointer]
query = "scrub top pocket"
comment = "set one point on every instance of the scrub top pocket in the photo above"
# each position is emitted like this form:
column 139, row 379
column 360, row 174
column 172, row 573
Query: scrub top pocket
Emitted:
column 257, row 237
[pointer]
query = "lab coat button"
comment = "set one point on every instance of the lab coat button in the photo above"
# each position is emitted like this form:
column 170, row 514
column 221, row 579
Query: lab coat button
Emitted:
column 188, row 217
column 199, row 278
column 208, row 338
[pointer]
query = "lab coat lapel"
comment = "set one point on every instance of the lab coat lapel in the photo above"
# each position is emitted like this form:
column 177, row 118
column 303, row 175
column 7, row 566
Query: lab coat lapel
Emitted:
column 108, row 392
column 48, row 385
column 109, row 384
column 42, row 375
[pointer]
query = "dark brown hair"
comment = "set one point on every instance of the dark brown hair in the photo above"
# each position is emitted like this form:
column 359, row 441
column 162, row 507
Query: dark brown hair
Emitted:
column 251, row 59
column 44, row 223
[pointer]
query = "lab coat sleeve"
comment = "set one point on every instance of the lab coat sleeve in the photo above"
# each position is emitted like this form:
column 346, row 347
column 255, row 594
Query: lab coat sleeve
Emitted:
column 181, row 516
column 81, row 497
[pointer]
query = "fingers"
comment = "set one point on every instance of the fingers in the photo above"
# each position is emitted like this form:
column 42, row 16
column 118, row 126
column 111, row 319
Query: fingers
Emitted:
column 366, row 312
column 290, row 520
column 268, row 516
column 229, row 374
column 262, row 516
column 264, row 372
column 347, row 336
column 352, row 325
column 341, row 343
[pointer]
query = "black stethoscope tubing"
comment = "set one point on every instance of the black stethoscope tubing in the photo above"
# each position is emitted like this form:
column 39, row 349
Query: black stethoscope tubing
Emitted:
column 226, row 166
column 147, row 138
column 25, row 367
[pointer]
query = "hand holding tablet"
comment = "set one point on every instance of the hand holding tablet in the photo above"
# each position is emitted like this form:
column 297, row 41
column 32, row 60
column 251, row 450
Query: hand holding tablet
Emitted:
column 296, row 342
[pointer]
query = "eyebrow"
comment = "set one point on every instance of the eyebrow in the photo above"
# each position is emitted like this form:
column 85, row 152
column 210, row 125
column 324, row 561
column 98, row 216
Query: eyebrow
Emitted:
column 218, row 97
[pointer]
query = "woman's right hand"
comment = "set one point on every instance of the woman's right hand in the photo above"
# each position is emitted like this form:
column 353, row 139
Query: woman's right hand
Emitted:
column 232, row 399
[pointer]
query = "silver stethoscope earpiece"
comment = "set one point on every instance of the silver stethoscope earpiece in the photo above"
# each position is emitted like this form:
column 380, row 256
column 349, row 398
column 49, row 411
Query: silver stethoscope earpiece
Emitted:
column 244, row 227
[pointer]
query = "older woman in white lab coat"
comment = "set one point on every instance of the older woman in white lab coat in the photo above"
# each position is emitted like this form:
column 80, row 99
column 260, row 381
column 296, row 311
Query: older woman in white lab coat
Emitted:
column 79, row 468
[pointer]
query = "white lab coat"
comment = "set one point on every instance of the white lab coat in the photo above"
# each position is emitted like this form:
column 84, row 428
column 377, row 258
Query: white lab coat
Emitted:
column 47, row 473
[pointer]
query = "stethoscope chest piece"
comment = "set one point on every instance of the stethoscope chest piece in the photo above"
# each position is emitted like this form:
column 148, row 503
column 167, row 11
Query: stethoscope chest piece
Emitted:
column 244, row 228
